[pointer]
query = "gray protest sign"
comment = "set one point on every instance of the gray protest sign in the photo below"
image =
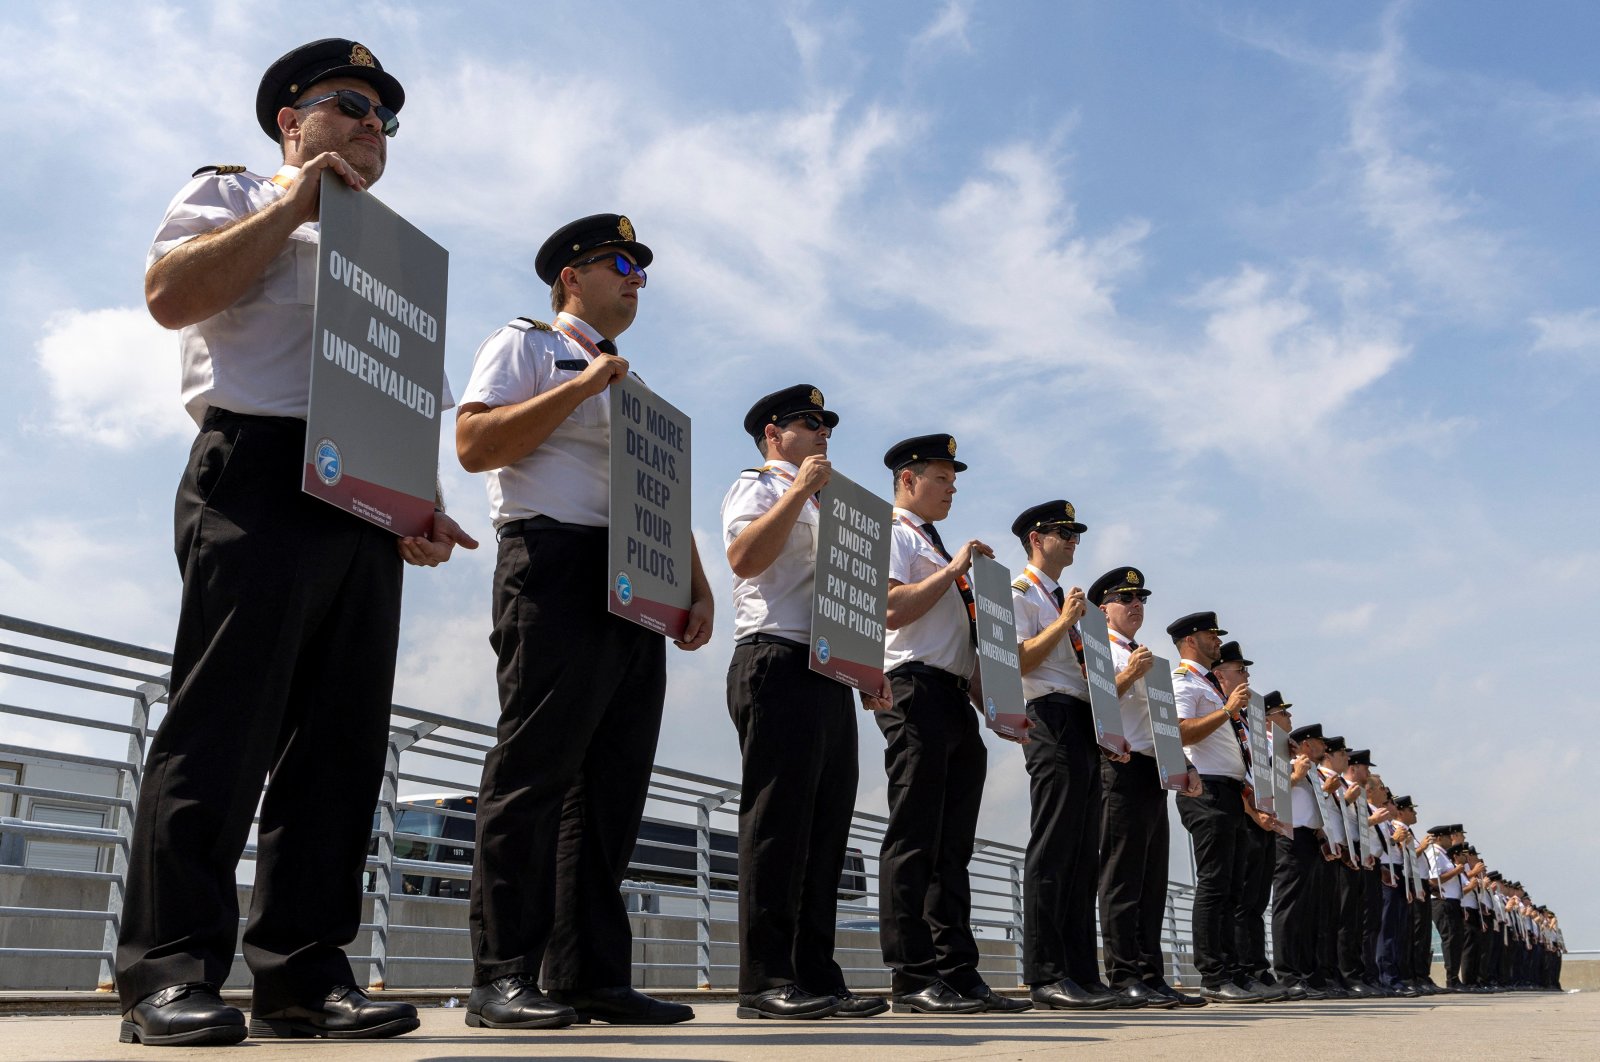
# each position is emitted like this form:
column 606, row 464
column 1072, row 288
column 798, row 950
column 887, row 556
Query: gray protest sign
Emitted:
column 1170, row 760
column 1260, row 751
column 377, row 363
column 1282, row 776
column 999, row 663
column 651, row 542
column 850, row 591
column 1102, row 675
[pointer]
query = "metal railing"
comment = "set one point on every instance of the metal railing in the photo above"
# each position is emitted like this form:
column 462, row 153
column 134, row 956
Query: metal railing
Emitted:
column 90, row 711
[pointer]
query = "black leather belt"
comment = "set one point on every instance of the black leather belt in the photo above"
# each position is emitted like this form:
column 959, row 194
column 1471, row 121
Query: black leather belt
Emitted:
column 542, row 523
column 768, row 639
column 217, row 417
column 930, row 671
column 1057, row 697
column 1222, row 779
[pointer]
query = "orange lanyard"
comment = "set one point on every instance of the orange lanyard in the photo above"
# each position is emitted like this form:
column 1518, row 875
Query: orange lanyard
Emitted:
column 577, row 337
column 787, row 477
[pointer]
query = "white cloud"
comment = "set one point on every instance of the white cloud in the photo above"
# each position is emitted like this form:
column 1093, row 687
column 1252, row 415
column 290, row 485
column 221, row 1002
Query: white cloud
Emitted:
column 112, row 377
column 948, row 30
column 1576, row 334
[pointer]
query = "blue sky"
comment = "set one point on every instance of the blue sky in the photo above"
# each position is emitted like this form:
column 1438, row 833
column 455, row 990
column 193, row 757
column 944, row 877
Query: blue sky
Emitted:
column 1295, row 303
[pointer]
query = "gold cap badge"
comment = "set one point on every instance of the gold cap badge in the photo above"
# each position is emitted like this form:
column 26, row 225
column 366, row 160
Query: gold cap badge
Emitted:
column 816, row 398
column 1132, row 578
column 359, row 56
column 952, row 446
column 625, row 228
column 1070, row 514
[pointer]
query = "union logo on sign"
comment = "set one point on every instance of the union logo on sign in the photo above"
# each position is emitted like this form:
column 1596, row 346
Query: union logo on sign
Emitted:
column 624, row 588
column 823, row 651
column 328, row 464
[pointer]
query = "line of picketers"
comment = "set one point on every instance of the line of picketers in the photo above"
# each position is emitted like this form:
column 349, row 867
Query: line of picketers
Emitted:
column 1352, row 885
column 284, row 659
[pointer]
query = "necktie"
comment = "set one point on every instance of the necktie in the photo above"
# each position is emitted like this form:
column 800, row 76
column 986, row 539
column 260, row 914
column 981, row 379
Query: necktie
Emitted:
column 1061, row 598
column 605, row 346
column 1132, row 645
column 963, row 585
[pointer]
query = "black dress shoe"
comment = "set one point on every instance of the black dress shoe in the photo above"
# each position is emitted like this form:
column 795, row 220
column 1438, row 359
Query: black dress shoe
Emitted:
column 1228, row 992
column 1138, row 995
column 1067, row 994
column 1268, row 993
column 854, row 1006
column 1185, row 999
column 937, row 998
column 1293, row 993
column 182, row 1014
column 786, row 1001
column 621, row 1006
column 995, row 1003
column 345, row 1013
column 1362, row 990
column 514, row 1002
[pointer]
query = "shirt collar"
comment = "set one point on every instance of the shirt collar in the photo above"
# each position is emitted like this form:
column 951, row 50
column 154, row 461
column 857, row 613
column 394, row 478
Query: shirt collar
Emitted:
column 1204, row 671
column 582, row 327
column 793, row 470
column 909, row 515
column 285, row 176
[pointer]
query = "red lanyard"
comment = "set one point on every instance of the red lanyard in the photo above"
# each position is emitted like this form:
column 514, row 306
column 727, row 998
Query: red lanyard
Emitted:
column 961, row 580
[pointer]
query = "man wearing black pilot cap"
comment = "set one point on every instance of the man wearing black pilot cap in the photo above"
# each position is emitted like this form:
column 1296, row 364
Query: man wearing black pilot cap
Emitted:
column 283, row 665
column 1214, row 740
column 581, row 690
column 797, row 728
column 1063, row 758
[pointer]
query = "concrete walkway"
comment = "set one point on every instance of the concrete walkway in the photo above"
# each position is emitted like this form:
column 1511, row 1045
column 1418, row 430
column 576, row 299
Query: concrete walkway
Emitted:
column 1529, row 1026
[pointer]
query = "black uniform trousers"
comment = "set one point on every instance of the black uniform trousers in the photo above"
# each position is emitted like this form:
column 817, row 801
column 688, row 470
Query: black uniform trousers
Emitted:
column 936, row 764
column 1371, row 922
column 564, row 787
column 1134, row 839
column 1216, row 823
column 1296, row 906
column 1347, row 895
column 283, row 671
column 1250, row 925
column 1447, row 918
column 1422, row 938
column 1495, row 951
column 1063, row 863
column 1471, row 946
column 797, row 737
column 1332, row 898
column 1394, row 925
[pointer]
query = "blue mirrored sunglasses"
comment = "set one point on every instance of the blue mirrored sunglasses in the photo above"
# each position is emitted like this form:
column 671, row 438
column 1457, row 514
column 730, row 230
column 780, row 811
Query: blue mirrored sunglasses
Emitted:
column 618, row 262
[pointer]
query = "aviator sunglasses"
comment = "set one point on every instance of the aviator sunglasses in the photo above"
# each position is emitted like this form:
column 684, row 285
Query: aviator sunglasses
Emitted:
column 810, row 420
column 356, row 105
column 618, row 262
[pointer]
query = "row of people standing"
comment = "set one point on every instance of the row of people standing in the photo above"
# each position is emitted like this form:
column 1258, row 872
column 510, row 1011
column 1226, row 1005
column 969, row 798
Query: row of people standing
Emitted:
column 284, row 664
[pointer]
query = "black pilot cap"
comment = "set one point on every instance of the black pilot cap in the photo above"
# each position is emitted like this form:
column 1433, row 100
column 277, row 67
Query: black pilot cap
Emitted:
column 308, row 64
column 571, row 240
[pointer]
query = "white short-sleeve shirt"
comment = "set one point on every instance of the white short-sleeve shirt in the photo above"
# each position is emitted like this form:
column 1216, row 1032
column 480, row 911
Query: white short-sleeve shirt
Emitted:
column 1034, row 605
column 778, row 600
column 1218, row 752
column 1135, row 704
column 568, row 476
column 942, row 636
column 255, row 356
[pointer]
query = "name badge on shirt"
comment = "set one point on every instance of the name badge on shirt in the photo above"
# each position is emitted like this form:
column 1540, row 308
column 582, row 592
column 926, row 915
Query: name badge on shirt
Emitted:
column 572, row 364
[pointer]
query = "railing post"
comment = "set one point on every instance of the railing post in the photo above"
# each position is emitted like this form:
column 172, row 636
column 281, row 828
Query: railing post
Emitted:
column 702, row 882
column 1017, row 866
column 1172, row 933
column 146, row 695
column 383, row 876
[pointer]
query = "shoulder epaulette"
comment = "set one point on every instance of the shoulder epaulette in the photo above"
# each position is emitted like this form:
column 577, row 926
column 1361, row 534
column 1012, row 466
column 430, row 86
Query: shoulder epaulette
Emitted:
column 1021, row 584
column 757, row 471
column 206, row 171
column 529, row 323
